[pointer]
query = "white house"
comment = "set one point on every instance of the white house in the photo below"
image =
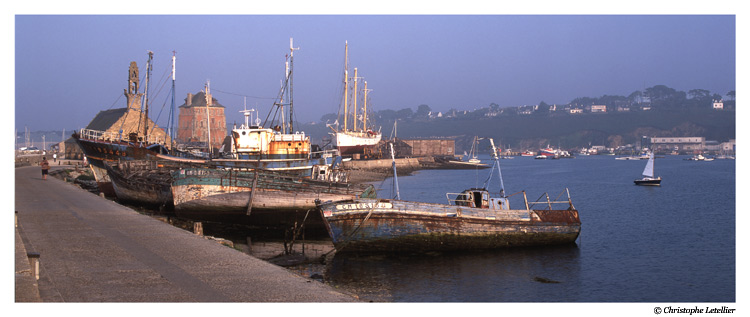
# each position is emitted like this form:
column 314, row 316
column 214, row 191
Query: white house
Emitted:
column 719, row 104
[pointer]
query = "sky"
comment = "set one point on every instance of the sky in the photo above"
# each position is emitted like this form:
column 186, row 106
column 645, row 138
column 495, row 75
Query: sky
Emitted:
column 70, row 67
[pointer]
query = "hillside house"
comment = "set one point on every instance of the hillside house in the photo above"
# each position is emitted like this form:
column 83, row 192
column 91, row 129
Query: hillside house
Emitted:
column 718, row 104
column 598, row 108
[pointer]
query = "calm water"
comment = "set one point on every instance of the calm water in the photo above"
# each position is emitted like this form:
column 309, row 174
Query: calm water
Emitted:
column 674, row 243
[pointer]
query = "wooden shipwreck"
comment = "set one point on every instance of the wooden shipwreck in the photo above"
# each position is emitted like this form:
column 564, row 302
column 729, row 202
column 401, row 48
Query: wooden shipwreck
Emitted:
column 470, row 220
column 269, row 197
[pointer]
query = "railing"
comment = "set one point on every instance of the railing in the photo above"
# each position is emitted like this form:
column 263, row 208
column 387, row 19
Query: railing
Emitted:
column 549, row 202
column 296, row 137
column 116, row 136
column 459, row 202
column 467, row 200
column 325, row 153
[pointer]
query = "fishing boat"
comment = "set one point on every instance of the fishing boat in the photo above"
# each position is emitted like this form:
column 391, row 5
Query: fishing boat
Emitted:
column 354, row 138
column 528, row 153
column 648, row 174
column 548, row 151
column 253, row 146
column 274, row 144
column 271, row 197
column 470, row 220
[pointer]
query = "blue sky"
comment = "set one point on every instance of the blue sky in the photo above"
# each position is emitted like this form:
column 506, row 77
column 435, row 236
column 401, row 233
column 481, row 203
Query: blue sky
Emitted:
column 70, row 67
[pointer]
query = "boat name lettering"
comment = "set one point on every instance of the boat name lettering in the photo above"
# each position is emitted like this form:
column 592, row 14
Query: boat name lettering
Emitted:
column 364, row 206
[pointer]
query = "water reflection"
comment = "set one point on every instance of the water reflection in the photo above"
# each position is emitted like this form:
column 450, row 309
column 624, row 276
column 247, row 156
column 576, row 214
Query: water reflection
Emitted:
column 508, row 275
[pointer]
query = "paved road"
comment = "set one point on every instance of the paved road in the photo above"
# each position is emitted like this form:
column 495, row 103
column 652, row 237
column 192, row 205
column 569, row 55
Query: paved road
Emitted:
column 94, row 250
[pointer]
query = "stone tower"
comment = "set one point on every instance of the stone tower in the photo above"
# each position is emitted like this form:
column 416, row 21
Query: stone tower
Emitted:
column 192, row 127
column 132, row 96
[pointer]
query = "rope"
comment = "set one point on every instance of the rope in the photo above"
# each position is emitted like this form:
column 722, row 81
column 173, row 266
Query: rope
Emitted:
column 347, row 238
column 113, row 104
column 241, row 95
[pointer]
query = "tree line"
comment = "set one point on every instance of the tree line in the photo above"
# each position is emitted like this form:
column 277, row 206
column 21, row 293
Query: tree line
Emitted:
column 659, row 97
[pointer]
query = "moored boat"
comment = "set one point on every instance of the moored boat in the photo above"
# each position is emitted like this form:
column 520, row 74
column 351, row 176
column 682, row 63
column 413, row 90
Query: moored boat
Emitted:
column 470, row 220
column 354, row 137
column 548, row 151
column 699, row 157
column 454, row 164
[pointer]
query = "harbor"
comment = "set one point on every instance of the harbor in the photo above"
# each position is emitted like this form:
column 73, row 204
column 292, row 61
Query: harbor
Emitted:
column 615, row 247
column 251, row 162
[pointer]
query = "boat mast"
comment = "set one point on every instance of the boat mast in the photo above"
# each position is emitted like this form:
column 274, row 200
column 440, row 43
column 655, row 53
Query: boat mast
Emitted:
column 364, row 109
column 499, row 172
column 208, row 117
column 248, row 115
column 148, row 81
column 395, row 175
column 354, row 108
column 289, row 78
column 171, row 111
column 346, row 84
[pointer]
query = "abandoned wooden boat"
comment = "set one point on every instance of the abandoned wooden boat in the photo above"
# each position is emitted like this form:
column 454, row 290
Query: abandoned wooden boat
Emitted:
column 147, row 182
column 470, row 220
column 269, row 196
column 143, row 182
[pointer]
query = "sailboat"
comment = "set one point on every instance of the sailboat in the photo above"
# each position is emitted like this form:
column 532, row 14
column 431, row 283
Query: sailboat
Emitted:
column 648, row 174
column 474, row 150
column 354, row 138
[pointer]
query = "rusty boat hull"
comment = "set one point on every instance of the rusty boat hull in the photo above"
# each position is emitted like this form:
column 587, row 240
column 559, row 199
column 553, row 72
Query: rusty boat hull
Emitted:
column 370, row 225
column 279, row 199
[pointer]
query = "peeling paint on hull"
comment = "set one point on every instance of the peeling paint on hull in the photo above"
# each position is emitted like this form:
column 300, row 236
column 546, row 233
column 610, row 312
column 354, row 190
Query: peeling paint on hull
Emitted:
column 202, row 192
column 390, row 225
column 151, row 189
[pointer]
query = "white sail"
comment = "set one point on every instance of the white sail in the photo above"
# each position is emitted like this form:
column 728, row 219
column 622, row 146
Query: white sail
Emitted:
column 649, row 170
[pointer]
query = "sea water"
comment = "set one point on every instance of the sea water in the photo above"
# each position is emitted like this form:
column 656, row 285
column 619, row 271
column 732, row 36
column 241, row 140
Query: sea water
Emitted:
column 672, row 243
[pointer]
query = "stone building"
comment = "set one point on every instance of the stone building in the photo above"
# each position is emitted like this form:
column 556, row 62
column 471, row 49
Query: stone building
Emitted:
column 128, row 123
column 193, row 127
column 431, row 147
column 680, row 144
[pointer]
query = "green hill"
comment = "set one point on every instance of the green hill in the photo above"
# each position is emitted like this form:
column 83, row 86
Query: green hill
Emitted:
column 567, row 131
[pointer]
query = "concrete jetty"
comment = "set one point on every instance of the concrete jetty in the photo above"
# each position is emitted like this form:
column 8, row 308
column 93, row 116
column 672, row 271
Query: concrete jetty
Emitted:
column 94, row 250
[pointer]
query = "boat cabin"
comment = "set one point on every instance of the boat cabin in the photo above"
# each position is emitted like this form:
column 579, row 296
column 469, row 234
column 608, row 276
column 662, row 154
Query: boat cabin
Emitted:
column 480, row 198
column 255, row 140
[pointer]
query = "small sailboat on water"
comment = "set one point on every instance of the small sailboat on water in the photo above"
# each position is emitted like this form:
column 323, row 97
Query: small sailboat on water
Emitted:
column 648, row 174
column 474, row 150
